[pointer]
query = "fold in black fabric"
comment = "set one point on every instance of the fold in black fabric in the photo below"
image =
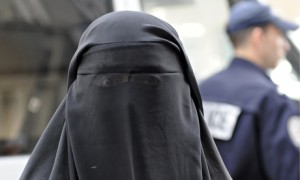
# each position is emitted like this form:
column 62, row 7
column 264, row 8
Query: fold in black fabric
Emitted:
column 132, row 111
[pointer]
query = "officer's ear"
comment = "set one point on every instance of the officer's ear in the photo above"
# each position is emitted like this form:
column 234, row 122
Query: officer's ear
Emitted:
column 257, row 36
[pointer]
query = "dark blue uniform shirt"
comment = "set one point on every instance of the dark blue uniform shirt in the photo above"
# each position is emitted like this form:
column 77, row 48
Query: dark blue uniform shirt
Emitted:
column 250, row 122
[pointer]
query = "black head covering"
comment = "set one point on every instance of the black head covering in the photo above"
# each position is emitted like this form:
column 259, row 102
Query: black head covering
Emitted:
column 132, row 111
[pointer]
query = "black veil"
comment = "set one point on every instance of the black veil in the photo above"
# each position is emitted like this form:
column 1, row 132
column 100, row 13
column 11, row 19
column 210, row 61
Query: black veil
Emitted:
column 132, row 111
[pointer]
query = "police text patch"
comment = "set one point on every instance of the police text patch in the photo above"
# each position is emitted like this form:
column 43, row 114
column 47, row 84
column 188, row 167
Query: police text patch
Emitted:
column 221, row 119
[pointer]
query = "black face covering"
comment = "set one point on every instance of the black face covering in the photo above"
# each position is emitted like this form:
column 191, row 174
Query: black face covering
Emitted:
column 132, row 111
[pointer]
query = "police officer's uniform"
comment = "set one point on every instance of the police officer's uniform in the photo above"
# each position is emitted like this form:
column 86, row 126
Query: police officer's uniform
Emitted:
column 250, row 121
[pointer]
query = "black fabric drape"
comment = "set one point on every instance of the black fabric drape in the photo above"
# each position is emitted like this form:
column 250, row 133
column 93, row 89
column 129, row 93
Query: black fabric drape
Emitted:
column 132, row 112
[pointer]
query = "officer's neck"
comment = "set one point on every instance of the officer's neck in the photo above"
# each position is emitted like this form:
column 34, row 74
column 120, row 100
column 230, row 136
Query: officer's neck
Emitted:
column 249, row 55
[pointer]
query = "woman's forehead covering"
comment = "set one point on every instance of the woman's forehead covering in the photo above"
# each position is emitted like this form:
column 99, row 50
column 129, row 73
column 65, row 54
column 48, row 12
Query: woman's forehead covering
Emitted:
column 121, row 28
column 145, row 57
column 117, row 36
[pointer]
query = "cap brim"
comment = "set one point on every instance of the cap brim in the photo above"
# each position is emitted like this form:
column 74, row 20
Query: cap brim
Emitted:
column 284, row 25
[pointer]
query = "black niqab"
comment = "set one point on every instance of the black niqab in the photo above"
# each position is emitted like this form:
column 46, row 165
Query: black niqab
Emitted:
column 132, row 111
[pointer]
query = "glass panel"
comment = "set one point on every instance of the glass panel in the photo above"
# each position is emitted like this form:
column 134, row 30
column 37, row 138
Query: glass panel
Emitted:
column 37, row 41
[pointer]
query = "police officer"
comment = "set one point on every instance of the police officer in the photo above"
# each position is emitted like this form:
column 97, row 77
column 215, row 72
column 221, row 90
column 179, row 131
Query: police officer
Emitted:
column 253, row 123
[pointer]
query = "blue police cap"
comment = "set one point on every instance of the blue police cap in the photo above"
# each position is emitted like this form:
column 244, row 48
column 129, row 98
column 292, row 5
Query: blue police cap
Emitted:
column 247, row 14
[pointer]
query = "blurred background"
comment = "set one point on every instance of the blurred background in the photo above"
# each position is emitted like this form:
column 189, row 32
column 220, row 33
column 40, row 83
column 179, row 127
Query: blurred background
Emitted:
column 39, row 37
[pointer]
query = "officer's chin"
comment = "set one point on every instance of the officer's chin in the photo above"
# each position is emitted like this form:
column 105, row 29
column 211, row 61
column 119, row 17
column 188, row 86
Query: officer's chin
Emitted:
column 274, row 64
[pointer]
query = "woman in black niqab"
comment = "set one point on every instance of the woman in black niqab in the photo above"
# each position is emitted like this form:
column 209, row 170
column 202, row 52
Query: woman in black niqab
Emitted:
column 132, row 111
